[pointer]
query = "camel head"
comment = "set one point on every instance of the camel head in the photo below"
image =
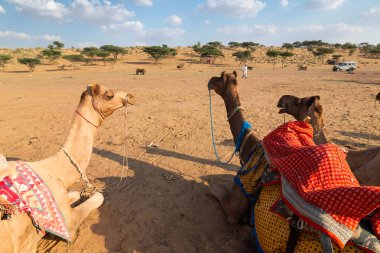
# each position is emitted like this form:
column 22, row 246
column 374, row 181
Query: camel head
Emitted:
column 300, row 108
column 225, row 83
column 378, row 97
column 105, row 101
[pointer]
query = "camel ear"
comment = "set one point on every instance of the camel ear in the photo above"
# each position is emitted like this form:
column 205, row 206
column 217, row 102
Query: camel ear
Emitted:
column 311, row 101
column 235, row 73
column 224, row 75
column 93, row 89
column 131, row 99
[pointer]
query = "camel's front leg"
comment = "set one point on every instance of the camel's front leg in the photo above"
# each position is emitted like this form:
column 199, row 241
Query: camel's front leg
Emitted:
column 80, row 212
column 233, row 202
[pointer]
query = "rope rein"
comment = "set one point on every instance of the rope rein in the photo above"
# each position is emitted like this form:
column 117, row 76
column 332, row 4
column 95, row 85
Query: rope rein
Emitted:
column 213, row 137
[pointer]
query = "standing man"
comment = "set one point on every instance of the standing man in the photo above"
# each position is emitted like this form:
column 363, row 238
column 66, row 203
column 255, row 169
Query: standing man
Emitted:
column 245, row 71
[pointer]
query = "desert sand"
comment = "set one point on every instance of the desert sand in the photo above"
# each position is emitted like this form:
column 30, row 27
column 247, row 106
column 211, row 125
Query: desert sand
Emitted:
column 162, row 204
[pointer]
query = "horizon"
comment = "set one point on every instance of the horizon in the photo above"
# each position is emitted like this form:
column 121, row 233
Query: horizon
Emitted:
column 83, row 23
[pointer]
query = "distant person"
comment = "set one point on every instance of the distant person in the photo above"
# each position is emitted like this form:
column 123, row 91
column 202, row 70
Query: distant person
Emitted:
column 245, row 71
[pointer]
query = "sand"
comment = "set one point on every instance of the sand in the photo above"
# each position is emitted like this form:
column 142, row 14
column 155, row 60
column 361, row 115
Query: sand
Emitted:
column 162, row 204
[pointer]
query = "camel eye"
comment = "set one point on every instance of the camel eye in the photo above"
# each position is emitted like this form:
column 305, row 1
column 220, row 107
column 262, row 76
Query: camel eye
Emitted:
column 109, row 95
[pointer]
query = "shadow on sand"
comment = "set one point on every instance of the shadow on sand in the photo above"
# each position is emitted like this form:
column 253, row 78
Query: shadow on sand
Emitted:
column 158, row 211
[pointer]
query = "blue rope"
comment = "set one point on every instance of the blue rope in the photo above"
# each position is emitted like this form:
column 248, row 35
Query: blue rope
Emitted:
column 244, row 128
column 213, row 138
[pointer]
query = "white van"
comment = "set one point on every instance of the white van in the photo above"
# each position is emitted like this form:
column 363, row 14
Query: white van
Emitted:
column 346, row 65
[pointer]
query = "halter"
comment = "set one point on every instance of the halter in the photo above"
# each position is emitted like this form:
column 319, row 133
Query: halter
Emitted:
column 240, row 143
column 86, row 119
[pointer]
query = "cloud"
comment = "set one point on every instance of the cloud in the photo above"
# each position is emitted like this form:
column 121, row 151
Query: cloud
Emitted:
column 2, row 10
column 372, row 12
column 334, row 28
column 248, row 30
column 324, row 4
column 48, row 37
column 143, row 2
column 284, row 3
column 235, row 8
column 99, row 12
column 42, row 8
column 14, row 35
column 129, row 26
column 207, row 22
column 173, row 20
column 11, row 35
column 85, row 44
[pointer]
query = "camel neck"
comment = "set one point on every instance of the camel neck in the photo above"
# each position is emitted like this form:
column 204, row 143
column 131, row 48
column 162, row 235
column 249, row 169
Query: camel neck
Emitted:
column 79, row 142
column 236, row 122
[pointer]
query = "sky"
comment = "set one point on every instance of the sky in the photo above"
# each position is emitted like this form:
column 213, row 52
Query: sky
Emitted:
column 82, row 23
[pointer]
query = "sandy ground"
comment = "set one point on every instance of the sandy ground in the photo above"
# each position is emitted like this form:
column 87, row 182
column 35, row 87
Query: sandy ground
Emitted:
column 163, row 204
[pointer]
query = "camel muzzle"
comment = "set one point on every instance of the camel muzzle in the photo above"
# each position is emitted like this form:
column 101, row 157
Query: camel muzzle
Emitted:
column 209, row 86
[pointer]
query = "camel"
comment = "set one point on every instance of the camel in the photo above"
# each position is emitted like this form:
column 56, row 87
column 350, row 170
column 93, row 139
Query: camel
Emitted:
column 302, row 67
column 180, row 66
column 61, row 170
column 140, row 71
column 234, row 202
column 365, row 164
column 378, row 97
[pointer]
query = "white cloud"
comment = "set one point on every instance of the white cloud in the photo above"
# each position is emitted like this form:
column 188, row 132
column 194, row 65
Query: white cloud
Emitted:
column 11, row 35
column 324, row 4
column 2, row 10
column 85, row 44
column 48, row 37
column 143, row 2
column 248, row 30
column 235, row 8
column 334, row 28
column 375, row 11
column 173, row 20
column 99, row 11
column 284, row 3
column 207, row 22
column 166, row 33
column 128, row 26
column 14, row 35
column 43, row 8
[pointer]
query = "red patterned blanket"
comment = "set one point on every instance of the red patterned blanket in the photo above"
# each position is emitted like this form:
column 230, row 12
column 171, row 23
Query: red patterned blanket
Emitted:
column 317, row 183
column 30, row 194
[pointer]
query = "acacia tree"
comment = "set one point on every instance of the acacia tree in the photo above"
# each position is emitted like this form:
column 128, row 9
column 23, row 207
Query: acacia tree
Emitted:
column 288, row 46
column 233, row 44
column 273, row 54
column 91, row 52
column 285, row 55
column 114, row 50
column 53, row 51
column 103, row 55
column 249, row 45
column 58, row 44
column 375, row 52
column 211, row 52
column 74, row 58
column 321, row 52
column 30, row 62
column 243, row 56
column 158, row 52
column 4, row 59
column 216, row 44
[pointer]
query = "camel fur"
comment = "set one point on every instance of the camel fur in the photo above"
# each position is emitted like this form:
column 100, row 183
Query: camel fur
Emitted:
column 59, row 173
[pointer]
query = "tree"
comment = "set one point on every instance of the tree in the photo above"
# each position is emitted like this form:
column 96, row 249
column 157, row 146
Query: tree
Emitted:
column 4, row 59
column 375, row 52
column 336, row 56
column 103, row 55
column 233, row 44
column 114, row 50
column 273, row 54
column 51, row 54
column 158, row 53
column 243, row 56
column 74, row 58
column 58, row 45
column 321, row 52
column 211, row 52
column 216, row 44
column 91, row 52
column 30, row 62
column 288, row 46
column 285, row 55
column 249, row 44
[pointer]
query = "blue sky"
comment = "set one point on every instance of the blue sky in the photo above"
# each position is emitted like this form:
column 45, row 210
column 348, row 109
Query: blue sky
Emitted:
column 80, row 23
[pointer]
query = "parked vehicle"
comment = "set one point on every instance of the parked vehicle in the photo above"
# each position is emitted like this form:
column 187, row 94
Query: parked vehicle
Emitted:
column 346, row 65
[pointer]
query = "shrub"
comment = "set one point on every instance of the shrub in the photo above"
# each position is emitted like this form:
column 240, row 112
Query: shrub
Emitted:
column 30, row 62
column 4, row 59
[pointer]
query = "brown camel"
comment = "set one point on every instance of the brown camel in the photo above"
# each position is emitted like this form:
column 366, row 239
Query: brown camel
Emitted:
column 233, row 201
column 59, row 172
column 365, row 164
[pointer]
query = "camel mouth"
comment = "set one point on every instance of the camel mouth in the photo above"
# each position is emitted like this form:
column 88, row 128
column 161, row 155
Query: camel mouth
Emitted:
column 282, row 110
